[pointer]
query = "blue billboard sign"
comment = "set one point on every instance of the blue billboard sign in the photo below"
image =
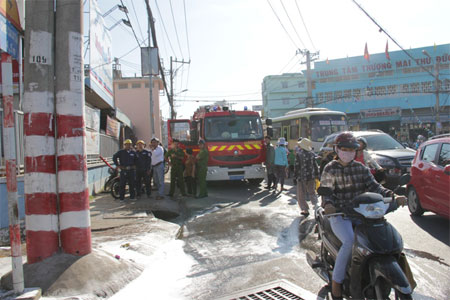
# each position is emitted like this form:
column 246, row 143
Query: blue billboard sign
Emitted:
column 385, row 80
column 9, row 37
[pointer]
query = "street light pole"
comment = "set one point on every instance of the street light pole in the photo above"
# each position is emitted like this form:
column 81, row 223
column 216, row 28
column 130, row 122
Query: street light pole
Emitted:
column 436, row 87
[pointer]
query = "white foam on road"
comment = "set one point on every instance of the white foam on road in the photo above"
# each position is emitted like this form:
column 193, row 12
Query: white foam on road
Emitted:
column 166, row 268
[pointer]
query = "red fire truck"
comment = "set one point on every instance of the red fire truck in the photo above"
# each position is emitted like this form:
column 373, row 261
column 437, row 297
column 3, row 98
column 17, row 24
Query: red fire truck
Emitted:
column 234, row 139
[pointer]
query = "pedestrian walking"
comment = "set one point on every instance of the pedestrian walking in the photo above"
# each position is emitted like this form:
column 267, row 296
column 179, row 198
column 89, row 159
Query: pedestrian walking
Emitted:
column 143, row 167
column 158, row 167
column 176, row 157
column 270, row 158
column 306, row 173
column 280, row 163
column 189, row 173
column 202, row 168
column 125, row 160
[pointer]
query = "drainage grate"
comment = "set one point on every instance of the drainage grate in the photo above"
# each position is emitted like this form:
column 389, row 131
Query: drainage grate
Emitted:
column 278, row 290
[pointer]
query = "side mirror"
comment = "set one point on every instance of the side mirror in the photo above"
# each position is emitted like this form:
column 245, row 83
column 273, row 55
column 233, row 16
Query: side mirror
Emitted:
column 404, row 179
column 268, row 122
column 324, row 191
column 447, row 169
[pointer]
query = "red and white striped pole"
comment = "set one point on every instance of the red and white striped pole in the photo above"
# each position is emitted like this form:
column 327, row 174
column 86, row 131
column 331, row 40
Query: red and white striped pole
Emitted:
column 41, row 213
column 9, row 146
column 74, row 215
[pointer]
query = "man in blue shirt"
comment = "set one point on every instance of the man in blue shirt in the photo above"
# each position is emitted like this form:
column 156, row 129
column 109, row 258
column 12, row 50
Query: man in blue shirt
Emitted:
column 125, row 160
column 143, row 167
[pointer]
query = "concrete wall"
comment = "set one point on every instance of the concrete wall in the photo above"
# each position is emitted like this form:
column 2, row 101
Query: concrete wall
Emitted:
column 132, row 97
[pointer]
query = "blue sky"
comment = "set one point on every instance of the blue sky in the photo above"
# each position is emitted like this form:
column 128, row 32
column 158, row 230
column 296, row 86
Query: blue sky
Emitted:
column 234, row 44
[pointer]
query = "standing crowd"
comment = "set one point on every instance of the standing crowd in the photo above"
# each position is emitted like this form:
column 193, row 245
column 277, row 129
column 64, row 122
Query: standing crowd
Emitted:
column 138, row 166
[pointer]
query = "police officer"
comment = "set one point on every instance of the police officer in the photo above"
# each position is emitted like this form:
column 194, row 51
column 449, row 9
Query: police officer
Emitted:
column 143, row 167
column 202, row 168
column 125, row 160
column 176, row 156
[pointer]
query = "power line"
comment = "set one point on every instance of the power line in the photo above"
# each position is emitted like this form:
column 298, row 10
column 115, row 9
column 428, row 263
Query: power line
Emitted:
column 175, row 26
column 381, row 29
column 164, row 26
column 304, row 24
column 276, row 15
column 137, row 19
column 289, row 18
column 186, row 27
column 131, row 26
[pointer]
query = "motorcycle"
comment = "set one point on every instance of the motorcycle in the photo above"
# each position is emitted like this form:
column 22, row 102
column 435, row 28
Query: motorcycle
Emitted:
column 112, row 184
column 377, row 263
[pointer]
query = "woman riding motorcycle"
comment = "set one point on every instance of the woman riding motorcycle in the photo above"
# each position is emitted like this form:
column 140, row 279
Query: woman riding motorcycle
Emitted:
column 348, row 179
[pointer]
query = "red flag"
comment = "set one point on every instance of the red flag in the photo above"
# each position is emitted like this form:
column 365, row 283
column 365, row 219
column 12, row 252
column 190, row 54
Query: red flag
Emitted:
column 366, row 53
column 387, row 51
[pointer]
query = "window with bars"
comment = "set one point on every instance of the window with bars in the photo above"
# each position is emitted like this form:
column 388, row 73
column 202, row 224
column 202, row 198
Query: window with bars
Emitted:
column 123, row 86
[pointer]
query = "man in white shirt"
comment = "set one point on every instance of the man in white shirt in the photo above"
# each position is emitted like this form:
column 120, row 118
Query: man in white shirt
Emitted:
column 158, row 167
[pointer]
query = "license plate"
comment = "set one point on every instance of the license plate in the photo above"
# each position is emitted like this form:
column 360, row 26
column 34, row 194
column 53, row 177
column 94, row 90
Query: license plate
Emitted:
column 236, row 177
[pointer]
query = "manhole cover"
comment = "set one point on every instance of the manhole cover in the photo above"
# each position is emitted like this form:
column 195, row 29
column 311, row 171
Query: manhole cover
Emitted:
column 277, row 290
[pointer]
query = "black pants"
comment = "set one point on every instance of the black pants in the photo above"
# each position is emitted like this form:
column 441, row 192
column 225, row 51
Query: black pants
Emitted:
column 142, row 176
column 127, row 176
column 191, row 185
column 271, row 179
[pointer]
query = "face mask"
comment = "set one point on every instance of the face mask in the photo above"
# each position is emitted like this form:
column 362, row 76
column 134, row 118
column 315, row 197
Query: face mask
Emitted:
column 346, row 156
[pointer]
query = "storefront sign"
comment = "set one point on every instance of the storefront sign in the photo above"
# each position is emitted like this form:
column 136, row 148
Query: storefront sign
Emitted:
column 9, row 38
column 112, row 127
column 100, row 65
column 381, row 112
column 92, row 118
column 92, row 142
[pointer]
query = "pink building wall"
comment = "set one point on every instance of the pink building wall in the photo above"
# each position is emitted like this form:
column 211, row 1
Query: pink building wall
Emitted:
column 132, row 97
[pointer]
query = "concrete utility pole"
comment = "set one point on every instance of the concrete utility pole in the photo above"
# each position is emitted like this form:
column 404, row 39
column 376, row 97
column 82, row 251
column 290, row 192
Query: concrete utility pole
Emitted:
column 310, row 57
column 437, row 106
column 173, row 114
column 72, row 186
column 39, row 130
column 11, row 172
column 436, row 88
column 150, row 84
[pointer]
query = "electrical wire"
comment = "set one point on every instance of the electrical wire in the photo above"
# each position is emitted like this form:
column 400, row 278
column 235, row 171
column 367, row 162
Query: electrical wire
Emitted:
column 164, row 27
column 131, row 26
column 295, row 30
column 381, row 29
column 175, row 26
column 137, row 19
column 276, row 15
column 304, row 24
column 186, row 27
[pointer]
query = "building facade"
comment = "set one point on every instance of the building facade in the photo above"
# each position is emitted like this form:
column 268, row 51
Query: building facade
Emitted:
column 389, row 91
column 132, row 97
column 283, row 93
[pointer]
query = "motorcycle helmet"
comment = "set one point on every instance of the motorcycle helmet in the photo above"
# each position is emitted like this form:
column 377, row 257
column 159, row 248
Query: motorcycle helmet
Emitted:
column 363, row 141
column 346, row 139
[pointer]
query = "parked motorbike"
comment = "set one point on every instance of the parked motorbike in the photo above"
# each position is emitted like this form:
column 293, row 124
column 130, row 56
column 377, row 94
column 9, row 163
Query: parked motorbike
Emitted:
column 377, row 264
column 112, row 184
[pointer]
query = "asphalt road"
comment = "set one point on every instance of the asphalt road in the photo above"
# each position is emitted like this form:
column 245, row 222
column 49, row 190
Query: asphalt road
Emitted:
column 242, row 236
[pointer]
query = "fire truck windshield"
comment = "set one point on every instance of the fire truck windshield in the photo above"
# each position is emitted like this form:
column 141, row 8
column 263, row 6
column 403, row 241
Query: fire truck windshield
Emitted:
column 233, row 128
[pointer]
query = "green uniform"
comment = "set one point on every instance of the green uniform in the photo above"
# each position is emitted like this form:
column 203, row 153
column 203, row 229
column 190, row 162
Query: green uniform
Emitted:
column 176, row 173
column 202, row 168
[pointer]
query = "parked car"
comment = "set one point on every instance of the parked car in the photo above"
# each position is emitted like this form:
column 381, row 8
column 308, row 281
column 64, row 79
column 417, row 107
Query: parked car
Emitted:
column 390, row 154
column 429, row 187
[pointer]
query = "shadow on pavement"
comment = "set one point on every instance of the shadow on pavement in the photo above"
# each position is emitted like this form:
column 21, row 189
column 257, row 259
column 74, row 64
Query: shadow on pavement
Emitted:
column 435, row 225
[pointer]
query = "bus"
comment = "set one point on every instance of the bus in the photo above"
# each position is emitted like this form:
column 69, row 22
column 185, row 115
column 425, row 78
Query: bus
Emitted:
column 312, row 123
